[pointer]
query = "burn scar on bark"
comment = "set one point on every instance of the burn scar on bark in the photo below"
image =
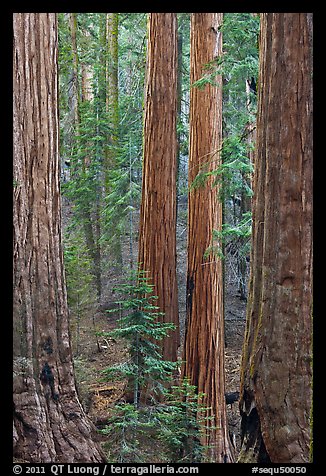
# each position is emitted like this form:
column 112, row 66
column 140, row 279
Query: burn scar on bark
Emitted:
column 48, row 346
column 47, row 378
column 190, row 288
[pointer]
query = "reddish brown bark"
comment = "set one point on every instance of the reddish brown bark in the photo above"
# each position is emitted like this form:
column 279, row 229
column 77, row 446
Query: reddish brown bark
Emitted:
column 157, row 235
column 49, row 422
column 276, row 375
column 204, row 339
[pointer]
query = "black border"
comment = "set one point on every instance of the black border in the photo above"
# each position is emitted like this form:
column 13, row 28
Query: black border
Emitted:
column 6, row 199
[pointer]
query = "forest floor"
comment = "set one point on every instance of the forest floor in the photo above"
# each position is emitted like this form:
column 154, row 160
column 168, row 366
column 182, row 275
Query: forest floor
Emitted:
column 98, row 396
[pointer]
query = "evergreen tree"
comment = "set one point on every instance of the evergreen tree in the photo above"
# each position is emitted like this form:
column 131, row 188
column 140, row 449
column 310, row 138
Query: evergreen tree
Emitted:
column 172, row 417
column 145, row 369
column 182, row 422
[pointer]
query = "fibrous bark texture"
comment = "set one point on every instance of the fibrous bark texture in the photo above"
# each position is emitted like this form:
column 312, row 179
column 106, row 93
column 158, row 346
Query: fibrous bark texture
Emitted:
column 49, row 422
column 204, row 339
column 157, row 236
column 276, row 375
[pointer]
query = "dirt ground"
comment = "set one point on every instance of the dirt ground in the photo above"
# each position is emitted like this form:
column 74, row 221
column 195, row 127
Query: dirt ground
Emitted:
column 235, row 312
column 97, row 395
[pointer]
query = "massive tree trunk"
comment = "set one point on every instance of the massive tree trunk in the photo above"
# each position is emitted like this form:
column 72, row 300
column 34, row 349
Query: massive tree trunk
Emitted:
column 204, row 339
column 49, row 422
column 276, row 374
column 157, row 236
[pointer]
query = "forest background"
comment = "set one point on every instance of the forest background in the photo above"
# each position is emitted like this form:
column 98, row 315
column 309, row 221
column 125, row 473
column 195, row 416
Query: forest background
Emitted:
column 104, row 170
column 102, row 65
column 101, row 138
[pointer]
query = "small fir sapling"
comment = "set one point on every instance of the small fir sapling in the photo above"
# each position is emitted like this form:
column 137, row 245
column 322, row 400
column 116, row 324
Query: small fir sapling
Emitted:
column 169, row 415
column 145, row 369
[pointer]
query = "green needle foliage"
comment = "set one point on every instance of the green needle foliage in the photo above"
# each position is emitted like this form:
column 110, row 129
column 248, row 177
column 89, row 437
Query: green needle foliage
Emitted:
column 80, row 288
column 168, row 420
column 170, row 431
column 238, row 65
column 145, row 369
column 181, row 420
column 127, row 431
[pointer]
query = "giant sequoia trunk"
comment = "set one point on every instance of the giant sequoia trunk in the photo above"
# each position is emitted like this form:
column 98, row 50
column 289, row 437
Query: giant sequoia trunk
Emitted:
column 157, row 236
column 276, row 375
column 49, row 422
column 204, row 339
